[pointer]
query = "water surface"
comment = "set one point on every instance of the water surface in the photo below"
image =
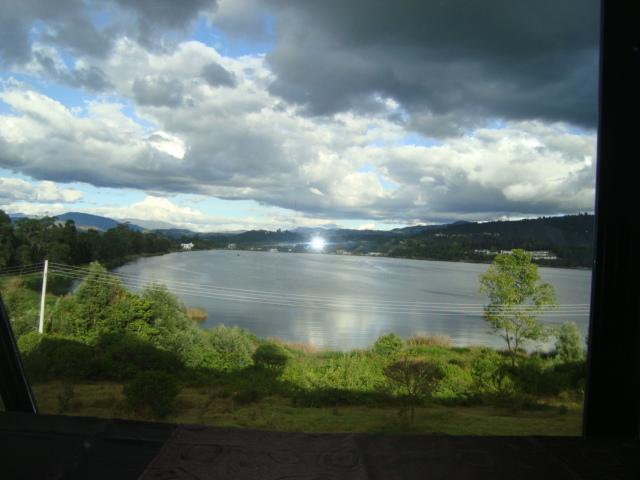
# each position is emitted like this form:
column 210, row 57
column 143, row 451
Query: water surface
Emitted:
column 344, row 302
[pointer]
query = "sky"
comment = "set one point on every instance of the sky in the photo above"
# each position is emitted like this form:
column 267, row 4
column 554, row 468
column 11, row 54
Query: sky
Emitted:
column 242, row 114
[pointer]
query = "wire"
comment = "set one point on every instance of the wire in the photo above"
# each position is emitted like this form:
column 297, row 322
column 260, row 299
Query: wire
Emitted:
column 8, row 270
column 199, row 291
column 139, row 282
column 256, row 294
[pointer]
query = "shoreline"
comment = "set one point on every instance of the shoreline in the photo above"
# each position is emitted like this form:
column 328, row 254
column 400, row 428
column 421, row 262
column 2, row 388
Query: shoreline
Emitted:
column 265, row 250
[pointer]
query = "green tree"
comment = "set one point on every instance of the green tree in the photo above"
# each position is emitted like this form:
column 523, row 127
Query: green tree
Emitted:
column 416, row 378
column 516, row 295
column 388, row 345
column 568, row 343
column 6, row 239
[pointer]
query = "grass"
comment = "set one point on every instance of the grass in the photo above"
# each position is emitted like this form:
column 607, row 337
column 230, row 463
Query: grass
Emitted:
column 215, row 407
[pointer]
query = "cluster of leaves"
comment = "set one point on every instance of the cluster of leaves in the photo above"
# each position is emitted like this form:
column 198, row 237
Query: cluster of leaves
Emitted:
column 271, row 356
column 152, row 394
column 32, row 240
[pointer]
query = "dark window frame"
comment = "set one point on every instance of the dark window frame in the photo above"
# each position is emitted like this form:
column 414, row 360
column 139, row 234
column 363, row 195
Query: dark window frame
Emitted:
column 613, row 367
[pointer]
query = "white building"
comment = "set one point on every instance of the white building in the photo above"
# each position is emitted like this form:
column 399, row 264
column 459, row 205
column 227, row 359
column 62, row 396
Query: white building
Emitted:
column 186, row 246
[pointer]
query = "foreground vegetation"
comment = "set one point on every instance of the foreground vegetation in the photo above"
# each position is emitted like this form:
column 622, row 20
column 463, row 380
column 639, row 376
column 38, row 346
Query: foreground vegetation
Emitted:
column 109, row 352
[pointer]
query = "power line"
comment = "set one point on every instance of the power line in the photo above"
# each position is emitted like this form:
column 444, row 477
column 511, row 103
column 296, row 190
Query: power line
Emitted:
column 140, row 282
column 226, row 292
column 268, row 298
column 191, row 288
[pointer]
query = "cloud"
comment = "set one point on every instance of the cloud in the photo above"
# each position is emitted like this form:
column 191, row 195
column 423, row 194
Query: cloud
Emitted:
column 217, row 75
column 158, row 91
column 88, row 28
column 15, row 189
column 47, row 61
column 449, row 65
column 244, row 145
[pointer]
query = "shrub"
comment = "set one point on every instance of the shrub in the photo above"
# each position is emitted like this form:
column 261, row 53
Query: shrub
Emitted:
column 190, row 345
column 415, row 378
column 198, row 315
column 533, row 376
column 123, row 356
column 426, row 340
column 56, row 284
column 488, row 372
column 59, row 357
column 271, row 356
column 152, row 394
column 570, row 375
column 568, row 343
column 167, row 310
column 355, row 371
column 28, row 342
column 231, row 348
column 388, row 345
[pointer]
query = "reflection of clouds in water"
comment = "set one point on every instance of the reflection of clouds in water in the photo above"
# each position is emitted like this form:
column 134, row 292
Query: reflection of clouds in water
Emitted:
column 346, row 283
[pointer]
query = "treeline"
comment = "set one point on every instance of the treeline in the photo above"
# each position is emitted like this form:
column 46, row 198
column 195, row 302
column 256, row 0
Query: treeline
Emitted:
column 570, row 238
column 28, row 241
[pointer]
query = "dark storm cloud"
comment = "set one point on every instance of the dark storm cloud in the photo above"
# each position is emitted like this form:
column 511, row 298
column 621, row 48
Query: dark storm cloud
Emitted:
column 68, row 24
column 455, row 58
column 80, row 35
column 89, row 77
column 216, row 75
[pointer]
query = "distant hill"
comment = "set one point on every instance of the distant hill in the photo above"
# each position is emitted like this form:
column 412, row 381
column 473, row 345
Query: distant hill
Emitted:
column 87, row 220
column 17, row 216
column 567, row 240
column 175, row 233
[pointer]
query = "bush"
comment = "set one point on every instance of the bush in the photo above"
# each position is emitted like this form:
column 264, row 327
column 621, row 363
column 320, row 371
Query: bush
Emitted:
column 167, row 310
column 29, row 342
column 198, row 315
column 56, row 284
column 415, row 378
column 123, row 356
column 568, row 343
column 533, row 376
column 270, row 356
column 388, row 345
column 425, row 340
column 488, row 372
column 231, row 348
column 152, row 394
column 59, row 357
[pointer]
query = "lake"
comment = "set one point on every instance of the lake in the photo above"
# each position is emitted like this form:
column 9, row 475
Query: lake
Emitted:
column 344, row 302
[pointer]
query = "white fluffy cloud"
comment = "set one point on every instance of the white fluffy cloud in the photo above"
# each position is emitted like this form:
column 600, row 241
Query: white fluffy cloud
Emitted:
column 233, row 139
column 15, row 189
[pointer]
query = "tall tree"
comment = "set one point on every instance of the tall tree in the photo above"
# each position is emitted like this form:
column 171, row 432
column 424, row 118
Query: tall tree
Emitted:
column 6, row 239
column 516, row 295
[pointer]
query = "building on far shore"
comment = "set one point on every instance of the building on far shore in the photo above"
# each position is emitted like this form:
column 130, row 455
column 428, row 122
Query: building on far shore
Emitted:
column 186, row 246
column 536, row 254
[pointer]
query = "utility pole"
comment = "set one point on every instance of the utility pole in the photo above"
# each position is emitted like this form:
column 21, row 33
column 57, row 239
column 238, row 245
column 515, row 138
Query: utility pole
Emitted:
column 44, row 293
